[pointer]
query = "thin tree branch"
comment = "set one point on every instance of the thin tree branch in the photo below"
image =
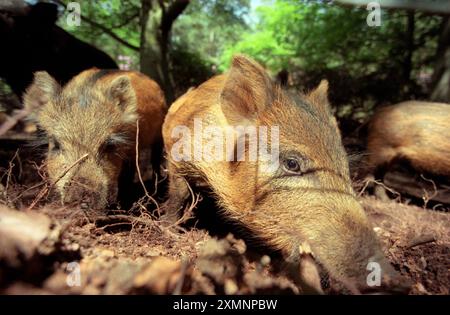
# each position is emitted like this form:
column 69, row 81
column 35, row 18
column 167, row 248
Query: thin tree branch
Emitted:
column 127, row 20
column 171, row 14
column 104, row 29
column 110, row 33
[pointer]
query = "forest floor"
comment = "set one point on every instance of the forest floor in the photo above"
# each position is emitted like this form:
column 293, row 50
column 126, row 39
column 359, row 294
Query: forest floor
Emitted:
column 42, row 251
column 60, row 250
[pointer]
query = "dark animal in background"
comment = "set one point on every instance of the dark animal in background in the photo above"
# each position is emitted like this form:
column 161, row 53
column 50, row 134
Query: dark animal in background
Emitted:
column 31, row 41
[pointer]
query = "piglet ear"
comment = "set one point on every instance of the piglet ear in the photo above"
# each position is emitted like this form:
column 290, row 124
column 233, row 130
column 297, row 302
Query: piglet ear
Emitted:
column 248, row 91
column 122, row 93
column 40, row 92
column 319, row 96
column 121, row 90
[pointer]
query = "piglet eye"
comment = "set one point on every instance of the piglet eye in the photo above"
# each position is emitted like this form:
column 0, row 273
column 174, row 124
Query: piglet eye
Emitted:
column 108, row 147
column 292, row 165
column 54, row 145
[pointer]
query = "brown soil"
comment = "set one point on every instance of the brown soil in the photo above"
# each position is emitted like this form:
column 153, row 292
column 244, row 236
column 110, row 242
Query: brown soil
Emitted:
column 119, row 257
column 417, row 241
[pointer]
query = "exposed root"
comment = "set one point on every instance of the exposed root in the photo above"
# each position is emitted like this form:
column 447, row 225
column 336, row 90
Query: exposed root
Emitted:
column 426, row 197
column 188, row 213
column 369, row 180
column 43, row 177
column 48, row 186
column 8, row 174
column 147, row 195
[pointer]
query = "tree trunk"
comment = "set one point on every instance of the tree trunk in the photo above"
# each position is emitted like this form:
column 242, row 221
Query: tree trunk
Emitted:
column 410, row 46
column 440, row 91
column 151, row 55
column 157, row 18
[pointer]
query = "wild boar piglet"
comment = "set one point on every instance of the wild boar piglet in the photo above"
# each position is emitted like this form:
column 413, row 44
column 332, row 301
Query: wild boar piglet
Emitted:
column 274, row 162
column 416, row 131
column 94, row 118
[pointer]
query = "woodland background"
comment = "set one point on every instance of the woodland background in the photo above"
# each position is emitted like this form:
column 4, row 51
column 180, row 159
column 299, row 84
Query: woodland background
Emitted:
column 181, row 43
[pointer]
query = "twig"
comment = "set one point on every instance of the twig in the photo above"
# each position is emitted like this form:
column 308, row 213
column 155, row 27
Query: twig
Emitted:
column 70, row 167
column 435, row 207
column 155, row 191
column 13, row 120
column 421, row 240
column 131, row 219
column 139, row 170
column 47, row 187
column 187, row 213
column 40, row 169
column 43, row 178
column 8, row 176
column 377, row 182
column 366, row 183
column 426, row 197
column 137, row 159
column 27, row 190
column 112, row 225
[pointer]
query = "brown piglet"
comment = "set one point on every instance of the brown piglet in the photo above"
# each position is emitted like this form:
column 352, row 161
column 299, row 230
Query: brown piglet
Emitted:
column 416, row 131
column 91, row 125
column 296, row 194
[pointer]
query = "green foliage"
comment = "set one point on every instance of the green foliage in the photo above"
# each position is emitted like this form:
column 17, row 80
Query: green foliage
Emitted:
column 315, row 35
column 311, row 39
column 203, row 30
column 319, row 39
column 120, row 17
column 207, row 26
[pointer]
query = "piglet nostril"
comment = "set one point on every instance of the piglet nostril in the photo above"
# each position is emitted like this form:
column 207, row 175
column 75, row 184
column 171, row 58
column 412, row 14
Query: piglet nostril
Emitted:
column 88, row 198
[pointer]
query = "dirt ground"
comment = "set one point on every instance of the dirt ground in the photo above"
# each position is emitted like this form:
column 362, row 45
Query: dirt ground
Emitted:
column 57, row 250
column 69, row 251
